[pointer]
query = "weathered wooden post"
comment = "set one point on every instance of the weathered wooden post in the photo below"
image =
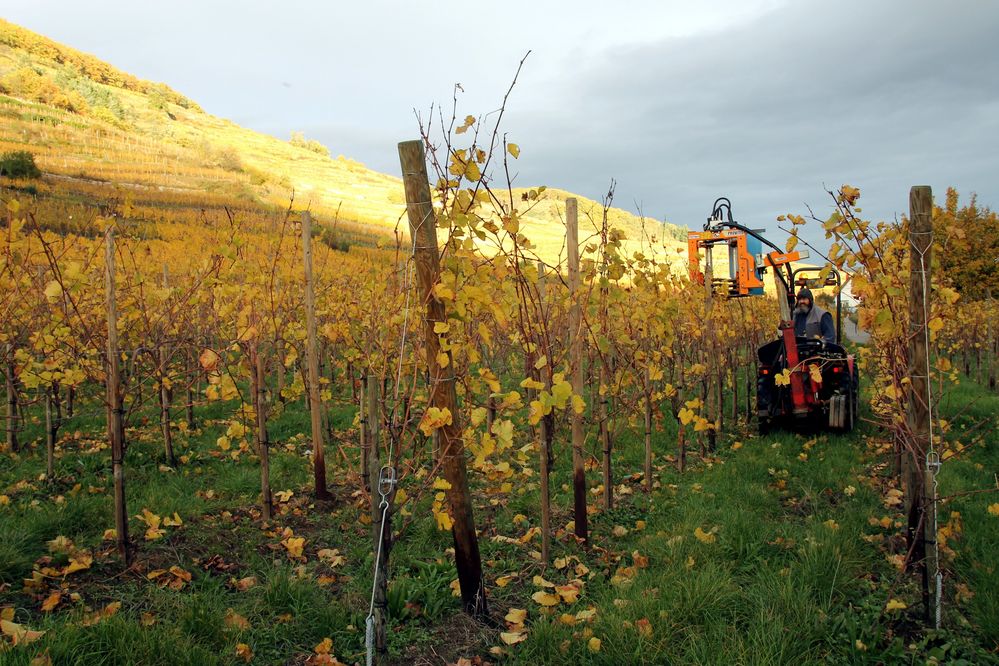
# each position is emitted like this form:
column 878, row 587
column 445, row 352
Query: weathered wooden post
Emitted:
column 648, row 430
column 165, row 391
column 365, row 436
column 603, row 430
column 193, row 374
column 115, row 400
column 263, row 440
column 50, row 435
column 423, row 231
column 920, row 464
column 709, row 395
column 11, row 382
column 315, row 407
column 544, row 439
column 576, row 369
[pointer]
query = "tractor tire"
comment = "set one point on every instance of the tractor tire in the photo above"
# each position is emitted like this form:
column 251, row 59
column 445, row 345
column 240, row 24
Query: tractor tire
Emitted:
column 849, row 414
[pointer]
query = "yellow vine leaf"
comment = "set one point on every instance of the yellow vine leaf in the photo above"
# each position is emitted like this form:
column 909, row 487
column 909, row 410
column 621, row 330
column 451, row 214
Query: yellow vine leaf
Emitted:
column 444, row 521
column 516, row 615
column 18, row 634
column 51, row 602
column 545, row 598
column 513, row 637
column 433, row 419
column 244, row 652
column 294, row 546
column 704, row 537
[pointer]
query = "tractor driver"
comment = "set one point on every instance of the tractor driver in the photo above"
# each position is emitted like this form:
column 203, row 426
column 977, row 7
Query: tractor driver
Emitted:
column 811, row 321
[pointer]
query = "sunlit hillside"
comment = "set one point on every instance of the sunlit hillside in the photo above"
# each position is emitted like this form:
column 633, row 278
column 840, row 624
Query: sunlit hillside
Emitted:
column 93, row 128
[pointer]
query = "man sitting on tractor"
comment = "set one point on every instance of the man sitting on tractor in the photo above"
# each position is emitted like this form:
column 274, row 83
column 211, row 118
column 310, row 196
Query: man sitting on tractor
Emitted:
column 811, row 321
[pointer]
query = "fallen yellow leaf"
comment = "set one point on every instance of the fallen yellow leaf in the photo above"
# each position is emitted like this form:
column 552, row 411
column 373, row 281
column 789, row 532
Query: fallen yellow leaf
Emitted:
column 704, row 537
column 513, row 637
column 516, row 616
column 545, row 598
column 895, row 604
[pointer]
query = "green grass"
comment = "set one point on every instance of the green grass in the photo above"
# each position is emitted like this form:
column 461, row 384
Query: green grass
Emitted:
column 779, row 584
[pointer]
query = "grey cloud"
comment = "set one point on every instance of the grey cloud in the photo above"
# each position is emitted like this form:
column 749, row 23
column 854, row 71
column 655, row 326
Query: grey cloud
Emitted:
column 767, row 110
column 881, row 95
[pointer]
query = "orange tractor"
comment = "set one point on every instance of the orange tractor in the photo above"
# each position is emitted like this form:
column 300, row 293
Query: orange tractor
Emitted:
column 801, row 382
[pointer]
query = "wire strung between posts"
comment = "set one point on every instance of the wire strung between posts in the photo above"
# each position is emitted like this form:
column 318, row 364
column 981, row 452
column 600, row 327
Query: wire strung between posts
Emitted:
column 387, row 475
column 933, row 462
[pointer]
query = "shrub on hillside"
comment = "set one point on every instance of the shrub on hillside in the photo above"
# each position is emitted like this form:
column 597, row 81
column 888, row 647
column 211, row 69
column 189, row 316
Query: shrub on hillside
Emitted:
column 28, row 83
column 222, row 157
column 19, row 164
column 299, row 141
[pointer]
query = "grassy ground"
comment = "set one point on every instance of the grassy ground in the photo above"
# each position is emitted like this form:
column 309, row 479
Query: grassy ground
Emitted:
column 785, row 566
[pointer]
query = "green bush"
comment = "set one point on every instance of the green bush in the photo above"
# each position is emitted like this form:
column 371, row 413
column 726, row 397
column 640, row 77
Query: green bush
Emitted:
column 19, row 164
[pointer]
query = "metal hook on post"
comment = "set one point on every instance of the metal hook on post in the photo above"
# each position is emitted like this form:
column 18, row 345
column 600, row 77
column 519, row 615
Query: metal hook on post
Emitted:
column 386, row 483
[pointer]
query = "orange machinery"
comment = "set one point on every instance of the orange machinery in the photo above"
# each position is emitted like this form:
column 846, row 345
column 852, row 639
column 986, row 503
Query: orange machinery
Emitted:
column 833, row 398
column 746, row 260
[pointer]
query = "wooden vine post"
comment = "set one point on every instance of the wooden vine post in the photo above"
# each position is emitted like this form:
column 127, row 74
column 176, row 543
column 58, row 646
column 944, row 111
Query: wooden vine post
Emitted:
column 315, row 407
column 576, row 369
column 10, row 380
column 165, row 391
column 647, row 469
column 603, row 388
column 709, row 396
column 263, row 440
column 920, row 502
column 545, row 427
column 50, row 435
column 115, row 399
column 365, row 436
column 194, row 370
column 423, row 231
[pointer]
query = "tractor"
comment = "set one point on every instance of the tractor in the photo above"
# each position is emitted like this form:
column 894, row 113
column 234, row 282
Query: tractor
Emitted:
column 802, row 383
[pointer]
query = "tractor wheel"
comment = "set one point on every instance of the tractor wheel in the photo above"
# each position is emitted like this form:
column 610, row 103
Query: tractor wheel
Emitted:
column 849, row 410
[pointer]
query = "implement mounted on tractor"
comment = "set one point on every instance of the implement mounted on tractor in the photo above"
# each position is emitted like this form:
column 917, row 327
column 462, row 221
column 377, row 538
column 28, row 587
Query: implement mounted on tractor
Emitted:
column 801, row 381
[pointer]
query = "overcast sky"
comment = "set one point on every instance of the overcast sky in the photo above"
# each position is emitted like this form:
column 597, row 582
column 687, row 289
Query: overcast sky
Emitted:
column 764, row 101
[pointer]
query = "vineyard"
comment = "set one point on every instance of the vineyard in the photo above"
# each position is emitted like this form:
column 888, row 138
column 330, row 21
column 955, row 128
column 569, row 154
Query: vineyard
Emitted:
column 240, row 429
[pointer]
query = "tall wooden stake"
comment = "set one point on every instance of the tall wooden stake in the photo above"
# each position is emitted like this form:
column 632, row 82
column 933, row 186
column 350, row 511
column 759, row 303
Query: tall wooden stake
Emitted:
column 423, row 231
column 920, row 502
column 605, row 377
column 544, row 437
column 365, row 435
column 576, row 369
column 648, row 431
column 263, row 440
column 315, row 408
column 165, row 391
column 709, row 396
column 115, row 400
column 12, row 444
column 50, row 436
